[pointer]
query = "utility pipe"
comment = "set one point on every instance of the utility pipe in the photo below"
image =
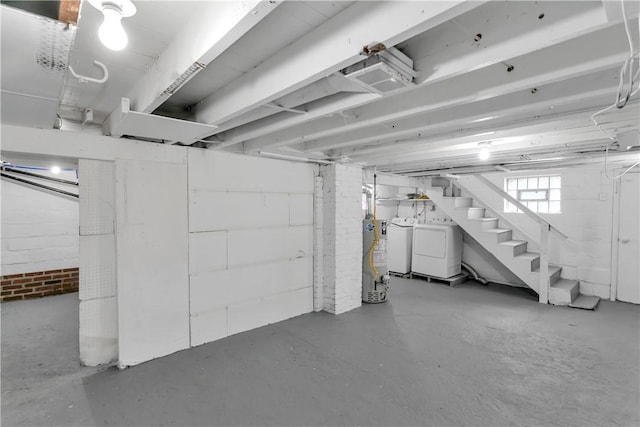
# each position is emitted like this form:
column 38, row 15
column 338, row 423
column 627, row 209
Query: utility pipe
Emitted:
column 474, row 273
column 35, row 184
column 48, row 178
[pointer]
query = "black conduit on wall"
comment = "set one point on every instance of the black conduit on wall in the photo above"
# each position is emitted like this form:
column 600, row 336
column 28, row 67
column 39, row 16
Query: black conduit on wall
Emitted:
column 35, row 184
column 48, row 178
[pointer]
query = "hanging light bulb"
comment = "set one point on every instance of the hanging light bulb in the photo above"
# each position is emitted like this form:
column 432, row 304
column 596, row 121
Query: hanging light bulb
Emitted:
column 111, row 32
column 484, row 153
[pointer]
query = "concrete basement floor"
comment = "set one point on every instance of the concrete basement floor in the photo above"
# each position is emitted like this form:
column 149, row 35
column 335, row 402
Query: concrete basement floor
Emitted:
column 433, row 355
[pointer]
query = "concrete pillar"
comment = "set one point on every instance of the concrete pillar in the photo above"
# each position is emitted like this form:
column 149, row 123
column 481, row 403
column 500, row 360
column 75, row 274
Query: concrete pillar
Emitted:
column 342, row 237
column 98, row 336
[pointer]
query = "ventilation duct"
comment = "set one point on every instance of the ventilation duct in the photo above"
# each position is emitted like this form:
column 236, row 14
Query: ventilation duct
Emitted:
column 629, row 141
column 384, row 72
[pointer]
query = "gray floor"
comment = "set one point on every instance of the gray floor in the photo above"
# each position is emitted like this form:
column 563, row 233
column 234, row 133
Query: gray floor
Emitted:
column 434, row 355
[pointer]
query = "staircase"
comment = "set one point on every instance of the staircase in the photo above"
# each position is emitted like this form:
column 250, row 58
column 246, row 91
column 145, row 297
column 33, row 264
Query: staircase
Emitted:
column 513, row 254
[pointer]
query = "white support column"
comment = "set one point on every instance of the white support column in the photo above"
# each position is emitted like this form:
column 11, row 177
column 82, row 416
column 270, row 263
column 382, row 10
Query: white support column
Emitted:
column 98, row 317
column 342, row 237
column 318, row 247
column 543, row 288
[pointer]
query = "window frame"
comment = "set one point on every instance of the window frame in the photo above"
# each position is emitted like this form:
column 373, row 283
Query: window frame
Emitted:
column 550, row 203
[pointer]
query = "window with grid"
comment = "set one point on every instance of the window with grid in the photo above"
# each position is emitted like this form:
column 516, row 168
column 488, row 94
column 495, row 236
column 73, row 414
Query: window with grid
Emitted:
column 541, row 194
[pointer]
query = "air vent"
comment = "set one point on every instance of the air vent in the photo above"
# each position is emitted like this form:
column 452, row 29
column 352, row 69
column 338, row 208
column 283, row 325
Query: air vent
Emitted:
column 385, row 72
column 629, row 141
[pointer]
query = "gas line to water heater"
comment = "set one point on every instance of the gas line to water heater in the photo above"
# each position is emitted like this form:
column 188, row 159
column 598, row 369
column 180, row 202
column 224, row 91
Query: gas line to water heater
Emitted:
column 376, row 238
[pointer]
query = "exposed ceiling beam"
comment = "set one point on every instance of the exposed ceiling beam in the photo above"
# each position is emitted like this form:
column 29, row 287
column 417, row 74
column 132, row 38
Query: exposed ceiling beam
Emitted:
column 215, row 28
column 566, row 133
column 470, row 157
column 559, row 160
column 594, row 52
column 317, row 109
column 548, row 100
column 233, row 131
column 503, row 30
column 563, row 129
column 325, row 50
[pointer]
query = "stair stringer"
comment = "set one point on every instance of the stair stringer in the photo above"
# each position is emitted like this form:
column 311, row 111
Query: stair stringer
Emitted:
column 511, row 253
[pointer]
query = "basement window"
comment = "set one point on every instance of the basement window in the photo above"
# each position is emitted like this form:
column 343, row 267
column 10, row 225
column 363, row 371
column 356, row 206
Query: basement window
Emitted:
column 541, row 194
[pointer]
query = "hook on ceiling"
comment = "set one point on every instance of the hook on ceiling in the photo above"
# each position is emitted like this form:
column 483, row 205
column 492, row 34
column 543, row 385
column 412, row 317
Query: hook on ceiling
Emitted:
column 84, row 79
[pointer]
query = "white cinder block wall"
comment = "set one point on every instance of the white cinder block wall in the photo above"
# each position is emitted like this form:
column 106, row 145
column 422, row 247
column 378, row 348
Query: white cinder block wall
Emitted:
column 98, row 334
column 342, row 237
column 152, row 258
column 39, row 228
column 250, row 242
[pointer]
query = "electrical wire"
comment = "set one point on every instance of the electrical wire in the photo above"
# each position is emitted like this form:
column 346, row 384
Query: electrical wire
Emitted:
column 626, row 71
column 627, row 67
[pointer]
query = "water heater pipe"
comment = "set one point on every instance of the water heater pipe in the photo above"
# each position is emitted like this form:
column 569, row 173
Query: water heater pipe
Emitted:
column 376, row 237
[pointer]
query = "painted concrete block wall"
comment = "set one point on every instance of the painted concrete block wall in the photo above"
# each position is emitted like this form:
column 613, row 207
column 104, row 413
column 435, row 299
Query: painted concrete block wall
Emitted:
column 342, row 237
column 152, row 259
column 98, row 335
column 318, row 244
column 250, row 242
column 39, row 228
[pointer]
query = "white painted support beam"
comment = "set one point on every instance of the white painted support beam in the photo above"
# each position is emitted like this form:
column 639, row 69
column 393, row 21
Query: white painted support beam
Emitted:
column 325, row 50
column 317, row 109
column 82, row 145
column 501, row 149
column 550, row 100
column 542, row 132
column 123, row 121
column 591, row 53
column 321, row 89
column 507, row 30
column 216, row 27
column 391, row 179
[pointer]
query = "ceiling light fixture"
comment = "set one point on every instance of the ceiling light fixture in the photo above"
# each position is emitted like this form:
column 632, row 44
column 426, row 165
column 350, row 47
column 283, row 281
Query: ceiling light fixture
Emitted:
column 484, row 150
column 111, row 33
column 55, row 170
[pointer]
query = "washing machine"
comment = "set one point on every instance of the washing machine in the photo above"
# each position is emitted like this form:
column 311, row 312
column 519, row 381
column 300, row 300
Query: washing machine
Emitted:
column 399, row 244
column 437, row 250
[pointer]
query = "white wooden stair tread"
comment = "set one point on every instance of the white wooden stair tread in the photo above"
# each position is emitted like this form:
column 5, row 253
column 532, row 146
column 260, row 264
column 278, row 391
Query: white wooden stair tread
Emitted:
column 513, row 243
column 528, row 256
column 585, row 302
column 481, row 219
column 497, row 230
column 565, row 284
column 552, row 270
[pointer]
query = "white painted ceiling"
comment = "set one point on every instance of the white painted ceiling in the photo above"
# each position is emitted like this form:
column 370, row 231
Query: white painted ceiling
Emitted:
column 524, row 76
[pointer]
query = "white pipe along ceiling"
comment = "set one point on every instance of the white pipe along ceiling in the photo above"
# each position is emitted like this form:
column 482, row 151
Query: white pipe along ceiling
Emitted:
column 407, row 87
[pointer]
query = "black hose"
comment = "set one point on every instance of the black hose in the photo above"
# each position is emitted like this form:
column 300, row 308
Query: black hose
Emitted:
column 35, row 184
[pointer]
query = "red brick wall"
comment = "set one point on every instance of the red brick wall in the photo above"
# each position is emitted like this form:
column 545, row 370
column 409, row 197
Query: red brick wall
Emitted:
column 39, row 284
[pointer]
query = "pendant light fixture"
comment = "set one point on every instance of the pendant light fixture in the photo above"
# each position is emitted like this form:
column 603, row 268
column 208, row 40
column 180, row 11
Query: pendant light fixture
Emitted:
column 111, row 33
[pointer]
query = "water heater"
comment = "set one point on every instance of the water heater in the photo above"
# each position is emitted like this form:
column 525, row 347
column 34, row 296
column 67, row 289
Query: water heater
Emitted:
column 375, row 274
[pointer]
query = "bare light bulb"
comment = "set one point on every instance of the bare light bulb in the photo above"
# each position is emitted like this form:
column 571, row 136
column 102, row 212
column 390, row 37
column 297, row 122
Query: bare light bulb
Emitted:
column 111, row 33
column 484, row 153
column 55, row 169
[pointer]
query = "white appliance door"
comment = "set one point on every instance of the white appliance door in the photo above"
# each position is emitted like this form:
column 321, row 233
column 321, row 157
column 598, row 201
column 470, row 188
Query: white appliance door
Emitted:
column 431, row 243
